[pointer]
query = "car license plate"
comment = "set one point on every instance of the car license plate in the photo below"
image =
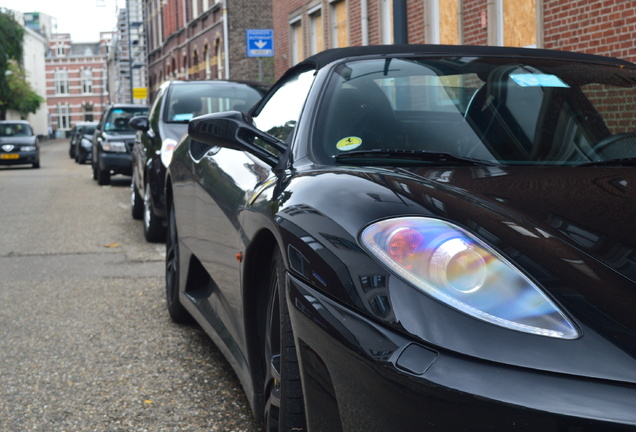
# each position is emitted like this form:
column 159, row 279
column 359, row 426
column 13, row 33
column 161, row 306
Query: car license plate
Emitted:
column 10, row 156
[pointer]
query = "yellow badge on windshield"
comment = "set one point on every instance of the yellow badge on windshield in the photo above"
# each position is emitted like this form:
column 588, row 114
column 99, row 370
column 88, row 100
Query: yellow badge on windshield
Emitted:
column 349, row 143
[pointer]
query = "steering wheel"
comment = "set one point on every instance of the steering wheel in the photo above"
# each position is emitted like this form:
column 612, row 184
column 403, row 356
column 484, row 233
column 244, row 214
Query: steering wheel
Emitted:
column 616, row 146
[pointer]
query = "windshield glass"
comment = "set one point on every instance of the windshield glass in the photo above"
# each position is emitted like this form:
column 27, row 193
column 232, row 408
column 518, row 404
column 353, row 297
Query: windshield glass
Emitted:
column 501, row 110
column 15, row 129
column 119, row 117
column 193, row 99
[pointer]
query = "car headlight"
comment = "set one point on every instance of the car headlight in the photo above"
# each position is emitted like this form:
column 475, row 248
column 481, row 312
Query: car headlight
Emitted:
column 28, row 148
column 114, row 146
column 86, row 144
column 456, row 268
column 167, row 148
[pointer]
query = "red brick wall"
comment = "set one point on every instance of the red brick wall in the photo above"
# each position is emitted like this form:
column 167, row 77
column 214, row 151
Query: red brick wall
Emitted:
column 604, row 27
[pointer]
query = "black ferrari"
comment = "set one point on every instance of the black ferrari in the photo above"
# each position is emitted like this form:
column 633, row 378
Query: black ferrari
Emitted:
column 418, row 238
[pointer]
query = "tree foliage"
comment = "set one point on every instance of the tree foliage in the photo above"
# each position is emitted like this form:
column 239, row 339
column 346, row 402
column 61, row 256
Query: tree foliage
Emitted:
column 21, row 97
column 11, row 37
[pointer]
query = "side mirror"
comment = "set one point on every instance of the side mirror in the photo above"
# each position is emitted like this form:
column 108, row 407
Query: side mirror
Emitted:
column 232, row 129
column 139, row 123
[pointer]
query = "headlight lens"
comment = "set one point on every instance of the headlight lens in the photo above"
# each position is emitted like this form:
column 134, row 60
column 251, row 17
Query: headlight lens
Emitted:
column 114, row 146
column 86, row 144
column 458, row 269
column 28, row 148
column 167, row 148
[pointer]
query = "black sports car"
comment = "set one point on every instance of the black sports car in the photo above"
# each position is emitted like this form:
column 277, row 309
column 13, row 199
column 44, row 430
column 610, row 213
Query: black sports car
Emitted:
column 410, row 238
column 175, row 103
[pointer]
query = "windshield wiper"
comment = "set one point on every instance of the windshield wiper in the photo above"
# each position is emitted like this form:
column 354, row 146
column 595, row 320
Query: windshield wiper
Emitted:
column 390, row 156
column 610, row 162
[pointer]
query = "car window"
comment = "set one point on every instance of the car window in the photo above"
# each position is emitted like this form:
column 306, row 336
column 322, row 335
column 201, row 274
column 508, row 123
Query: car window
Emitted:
column 118, row 119
column 505, row 111
column 281, row 112
column 187, row 101
column 15, row 129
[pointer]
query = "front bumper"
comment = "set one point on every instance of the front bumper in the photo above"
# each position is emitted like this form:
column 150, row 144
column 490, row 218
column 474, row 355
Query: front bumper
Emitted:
column 361, row 376
column 119, row 163
column 21, row 158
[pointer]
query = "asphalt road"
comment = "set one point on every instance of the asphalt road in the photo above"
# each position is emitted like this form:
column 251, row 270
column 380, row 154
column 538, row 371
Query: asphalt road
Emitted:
column 86, row 343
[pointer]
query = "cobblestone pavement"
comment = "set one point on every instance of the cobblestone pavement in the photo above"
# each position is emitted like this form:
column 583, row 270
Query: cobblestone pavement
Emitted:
column 87, row 344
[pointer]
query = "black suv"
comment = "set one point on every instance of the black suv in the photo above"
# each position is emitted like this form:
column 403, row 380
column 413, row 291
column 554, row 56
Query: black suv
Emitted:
column 175, row 103
column 113, row 141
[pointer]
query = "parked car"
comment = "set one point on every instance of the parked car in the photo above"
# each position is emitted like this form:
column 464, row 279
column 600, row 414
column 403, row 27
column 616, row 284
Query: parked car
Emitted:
column 74, row 135
column 82, row 141
column 18, row 144
column 113, row 141
column 175, row 103
column 409, row 238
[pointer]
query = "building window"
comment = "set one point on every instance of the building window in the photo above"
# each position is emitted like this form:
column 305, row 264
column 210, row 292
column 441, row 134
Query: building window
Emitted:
column 443, row 26
column 195, row 9
column 63, row 117
column 513, row 23
column 60, row 51
column 87, row 81
column 339, row 34
column 88, row 112
column 296, row 34
column 61, row 81
column 316, row 38
column 206, row 57
column 219, row 59
column 386, row 17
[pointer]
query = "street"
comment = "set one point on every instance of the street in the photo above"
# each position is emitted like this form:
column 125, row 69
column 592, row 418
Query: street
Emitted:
column 87, row 344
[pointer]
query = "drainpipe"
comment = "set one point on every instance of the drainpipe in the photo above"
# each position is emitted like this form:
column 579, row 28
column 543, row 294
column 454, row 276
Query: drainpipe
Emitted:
column 364, row 17
column 400, row 28
column 226, row 42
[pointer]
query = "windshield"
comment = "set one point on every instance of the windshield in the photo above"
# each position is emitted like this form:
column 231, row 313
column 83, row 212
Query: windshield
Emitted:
column 15, row 129
column 193, row 99
column 500, row 110
column 118, row 119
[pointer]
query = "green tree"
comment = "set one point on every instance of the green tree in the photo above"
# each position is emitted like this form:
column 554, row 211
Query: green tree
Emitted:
column 11, row 37
column 21, row 97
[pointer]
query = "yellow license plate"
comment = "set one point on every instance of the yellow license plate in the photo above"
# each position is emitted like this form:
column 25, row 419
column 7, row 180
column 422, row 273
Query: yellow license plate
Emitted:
column 10, row 156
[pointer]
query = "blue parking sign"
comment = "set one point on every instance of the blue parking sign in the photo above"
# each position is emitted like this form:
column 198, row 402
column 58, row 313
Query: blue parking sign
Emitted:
column 260, row 42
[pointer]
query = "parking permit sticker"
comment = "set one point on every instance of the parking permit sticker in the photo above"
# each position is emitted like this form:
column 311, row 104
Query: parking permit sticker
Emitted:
column 538, row 80
column 349, row 143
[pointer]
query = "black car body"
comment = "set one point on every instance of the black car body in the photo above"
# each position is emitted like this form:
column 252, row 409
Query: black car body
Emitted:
column 175, row 103
column 18, row 144
column 113, row 141
column 82, row 141
column 415, row 238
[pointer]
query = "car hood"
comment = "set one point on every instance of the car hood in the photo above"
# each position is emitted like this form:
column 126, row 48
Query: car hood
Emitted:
column 17, row 140
column 128, row 135
column 174, row 130
column 569, row 229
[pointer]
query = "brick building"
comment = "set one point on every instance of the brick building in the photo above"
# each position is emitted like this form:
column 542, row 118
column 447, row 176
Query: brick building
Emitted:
column 191, row 39
column 304, row 27
column 76, row 81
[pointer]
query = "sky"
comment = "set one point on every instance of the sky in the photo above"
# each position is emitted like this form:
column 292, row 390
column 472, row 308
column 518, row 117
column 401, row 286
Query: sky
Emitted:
column 83, row 19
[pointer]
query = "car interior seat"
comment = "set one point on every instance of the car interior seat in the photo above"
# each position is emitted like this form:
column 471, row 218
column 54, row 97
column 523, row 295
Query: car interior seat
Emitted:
column 365, row 113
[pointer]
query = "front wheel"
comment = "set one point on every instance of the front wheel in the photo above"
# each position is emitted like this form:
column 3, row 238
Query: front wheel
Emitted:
column 177, row 312
column 136, row 202
column 284, row 406
column 154, row 230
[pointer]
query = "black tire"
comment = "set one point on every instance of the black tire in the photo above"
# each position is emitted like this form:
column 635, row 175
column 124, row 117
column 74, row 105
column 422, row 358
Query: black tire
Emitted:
column 71, row 152
column 36, row 165
column 136, row 202
column 284, row 405
column 154, row 230
column 176, row 310
column 103, row 177
column 94, row 170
